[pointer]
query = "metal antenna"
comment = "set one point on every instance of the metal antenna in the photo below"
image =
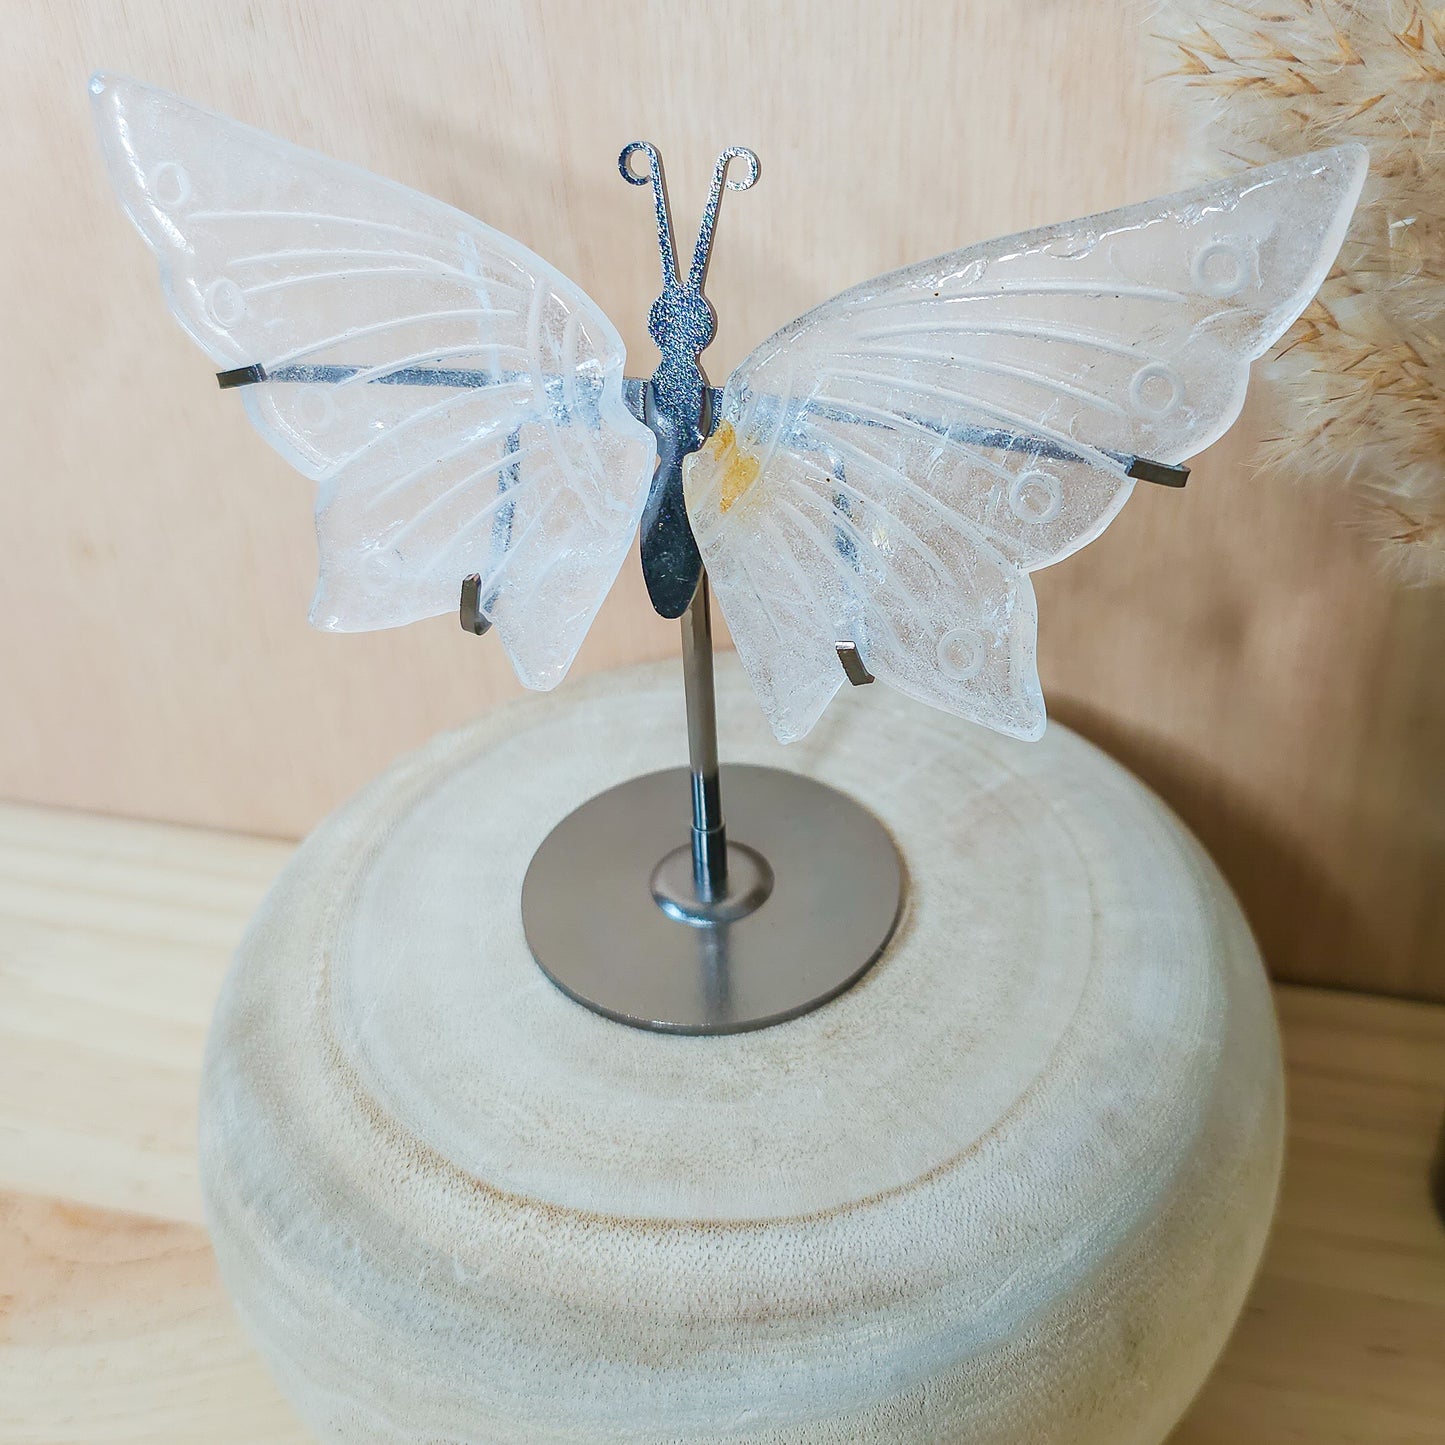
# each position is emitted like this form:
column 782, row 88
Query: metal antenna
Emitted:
column 702, row 252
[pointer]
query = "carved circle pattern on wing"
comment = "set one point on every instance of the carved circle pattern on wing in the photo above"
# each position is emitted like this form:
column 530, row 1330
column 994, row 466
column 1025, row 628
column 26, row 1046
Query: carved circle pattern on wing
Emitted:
column 1156, row 391
column 225, row 302
column 961, row 654
column 170, row 185
column 1036, row 496
column 1220, row 268
column 315, row 408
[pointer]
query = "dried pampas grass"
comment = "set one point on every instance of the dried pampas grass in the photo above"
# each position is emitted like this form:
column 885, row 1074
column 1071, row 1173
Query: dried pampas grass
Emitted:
column 1361, row 375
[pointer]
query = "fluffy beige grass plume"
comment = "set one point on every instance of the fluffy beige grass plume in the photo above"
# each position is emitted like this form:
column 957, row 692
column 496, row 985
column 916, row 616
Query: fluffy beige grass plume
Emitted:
column 1360, row 378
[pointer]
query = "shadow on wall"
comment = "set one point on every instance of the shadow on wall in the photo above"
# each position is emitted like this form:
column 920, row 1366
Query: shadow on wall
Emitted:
column 1294, row 908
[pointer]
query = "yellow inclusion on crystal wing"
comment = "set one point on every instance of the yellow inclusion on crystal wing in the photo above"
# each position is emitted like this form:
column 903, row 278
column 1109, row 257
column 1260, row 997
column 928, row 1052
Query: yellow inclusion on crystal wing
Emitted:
column 739, row 469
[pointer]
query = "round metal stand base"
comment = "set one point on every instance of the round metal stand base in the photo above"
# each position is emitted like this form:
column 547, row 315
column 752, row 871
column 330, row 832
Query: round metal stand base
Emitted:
column 815, row 890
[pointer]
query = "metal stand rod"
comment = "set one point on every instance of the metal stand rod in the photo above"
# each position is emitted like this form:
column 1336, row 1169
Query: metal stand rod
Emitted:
column 709, row 836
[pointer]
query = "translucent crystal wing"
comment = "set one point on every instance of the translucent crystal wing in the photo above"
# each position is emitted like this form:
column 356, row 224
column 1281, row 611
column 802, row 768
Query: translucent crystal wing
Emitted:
column 458, row 399
column 888, row 468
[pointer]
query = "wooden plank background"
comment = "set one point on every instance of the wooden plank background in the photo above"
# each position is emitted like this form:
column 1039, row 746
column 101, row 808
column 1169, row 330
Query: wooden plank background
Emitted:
column 1235, row 644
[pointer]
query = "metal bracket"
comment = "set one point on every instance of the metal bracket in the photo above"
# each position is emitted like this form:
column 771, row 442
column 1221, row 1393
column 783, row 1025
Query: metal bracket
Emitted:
column 1161, row 473
column 853, row 664
column 242, row 376
column 473, row 619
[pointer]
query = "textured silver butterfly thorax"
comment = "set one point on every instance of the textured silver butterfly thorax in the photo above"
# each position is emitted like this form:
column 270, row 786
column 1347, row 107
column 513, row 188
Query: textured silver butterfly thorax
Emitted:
column 676, row 401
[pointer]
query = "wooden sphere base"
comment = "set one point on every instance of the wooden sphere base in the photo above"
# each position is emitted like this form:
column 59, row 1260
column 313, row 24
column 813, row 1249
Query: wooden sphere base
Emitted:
column 1011, row 1187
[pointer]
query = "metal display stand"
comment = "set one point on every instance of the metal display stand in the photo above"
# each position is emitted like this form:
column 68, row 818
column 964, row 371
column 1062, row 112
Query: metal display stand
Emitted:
column 698, row 932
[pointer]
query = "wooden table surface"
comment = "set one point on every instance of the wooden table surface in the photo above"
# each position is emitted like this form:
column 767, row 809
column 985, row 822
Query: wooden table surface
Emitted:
column 113, row 1326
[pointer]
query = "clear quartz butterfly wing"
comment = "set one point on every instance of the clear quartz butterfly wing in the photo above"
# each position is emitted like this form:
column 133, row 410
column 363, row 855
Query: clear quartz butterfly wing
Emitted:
column 466, row 412
column 888, row 468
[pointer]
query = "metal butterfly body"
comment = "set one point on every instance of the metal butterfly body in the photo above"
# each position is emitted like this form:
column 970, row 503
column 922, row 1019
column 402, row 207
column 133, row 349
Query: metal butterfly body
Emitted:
column 882, row 473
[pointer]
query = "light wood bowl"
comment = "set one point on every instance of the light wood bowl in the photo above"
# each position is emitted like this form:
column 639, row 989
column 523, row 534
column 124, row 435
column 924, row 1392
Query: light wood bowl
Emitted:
column 1010, row 1188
